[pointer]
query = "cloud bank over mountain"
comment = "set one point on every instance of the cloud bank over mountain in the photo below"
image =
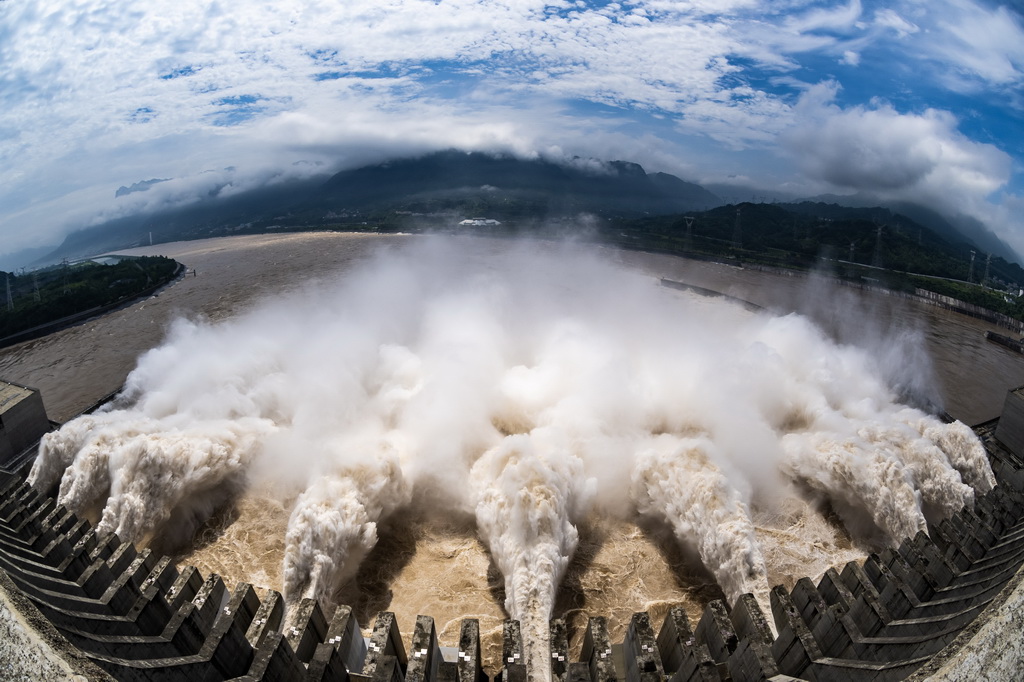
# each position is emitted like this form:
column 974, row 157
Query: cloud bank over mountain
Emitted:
column 909, row 100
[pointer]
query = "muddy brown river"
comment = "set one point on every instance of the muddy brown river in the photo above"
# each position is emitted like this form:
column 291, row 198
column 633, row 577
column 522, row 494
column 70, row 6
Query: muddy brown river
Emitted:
column 443, row 570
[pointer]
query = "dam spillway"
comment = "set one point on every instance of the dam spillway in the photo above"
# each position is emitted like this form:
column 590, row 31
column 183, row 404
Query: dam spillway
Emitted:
column 599, row 586
column 105, row 610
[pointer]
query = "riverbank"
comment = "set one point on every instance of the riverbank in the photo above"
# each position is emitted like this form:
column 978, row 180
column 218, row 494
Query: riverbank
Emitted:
column 46, row 328
column 921, row 295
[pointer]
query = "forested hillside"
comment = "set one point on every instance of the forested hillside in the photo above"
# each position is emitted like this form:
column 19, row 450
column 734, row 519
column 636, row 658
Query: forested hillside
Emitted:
column 44, row 296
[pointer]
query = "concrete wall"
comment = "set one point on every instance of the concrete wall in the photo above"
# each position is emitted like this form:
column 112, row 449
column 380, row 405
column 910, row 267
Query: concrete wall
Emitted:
column 946, row 603
column 994, row 649
column 22, row 422
column 31, row 650
column 1010, row 431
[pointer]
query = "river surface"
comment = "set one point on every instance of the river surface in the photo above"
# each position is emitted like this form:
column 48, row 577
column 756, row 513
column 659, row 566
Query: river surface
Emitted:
column 443, row 570
column 970, row 374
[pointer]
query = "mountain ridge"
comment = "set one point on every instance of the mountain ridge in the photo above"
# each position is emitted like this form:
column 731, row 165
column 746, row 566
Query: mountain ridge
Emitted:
column 457, row 183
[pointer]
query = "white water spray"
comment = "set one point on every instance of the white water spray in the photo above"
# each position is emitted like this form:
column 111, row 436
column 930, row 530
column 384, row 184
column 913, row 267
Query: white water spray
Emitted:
column 528, row 496
column 333, row 526
column 676, row 479
column 530, row 387
column 147, row 472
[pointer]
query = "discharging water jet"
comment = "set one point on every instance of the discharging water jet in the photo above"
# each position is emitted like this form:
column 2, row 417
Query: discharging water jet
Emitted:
column 527, row 499
column 529, row 389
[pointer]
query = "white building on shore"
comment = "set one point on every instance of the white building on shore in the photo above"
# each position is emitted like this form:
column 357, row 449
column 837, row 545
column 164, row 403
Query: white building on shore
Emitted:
column 479, row 222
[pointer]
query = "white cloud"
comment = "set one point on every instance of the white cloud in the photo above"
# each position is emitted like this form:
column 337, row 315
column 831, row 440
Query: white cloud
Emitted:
column 888, row 18
column 917, row 156
column 94, row 97
column 101, row 97
column 988, row 43
column 843, row 18
column 970, row 45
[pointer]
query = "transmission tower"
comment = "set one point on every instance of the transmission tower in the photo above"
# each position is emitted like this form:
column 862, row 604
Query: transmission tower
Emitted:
column 988, row 261
column 877, row 260
column 851, row 252
column 737, row 235
column 689, row 232
column 10, row 298
column 970, row 272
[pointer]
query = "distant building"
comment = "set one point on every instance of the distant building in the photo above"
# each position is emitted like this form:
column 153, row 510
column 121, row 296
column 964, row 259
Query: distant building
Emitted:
column 23, row 419
column 479, row 222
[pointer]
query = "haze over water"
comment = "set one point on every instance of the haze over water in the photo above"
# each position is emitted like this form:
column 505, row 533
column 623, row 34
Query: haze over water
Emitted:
column 77, row 366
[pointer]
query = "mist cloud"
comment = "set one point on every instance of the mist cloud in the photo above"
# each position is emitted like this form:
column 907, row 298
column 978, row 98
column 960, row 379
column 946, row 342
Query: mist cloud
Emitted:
column 529, row 387
column 879, row 149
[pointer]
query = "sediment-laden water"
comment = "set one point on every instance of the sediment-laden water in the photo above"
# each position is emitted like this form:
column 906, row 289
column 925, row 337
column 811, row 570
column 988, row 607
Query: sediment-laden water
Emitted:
column 471, row 427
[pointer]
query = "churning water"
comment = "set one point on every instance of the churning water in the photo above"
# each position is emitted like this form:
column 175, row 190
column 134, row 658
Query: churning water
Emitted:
column 530, row 426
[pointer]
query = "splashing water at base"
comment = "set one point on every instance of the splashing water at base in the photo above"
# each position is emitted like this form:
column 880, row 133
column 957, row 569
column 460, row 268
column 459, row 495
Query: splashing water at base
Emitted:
column 154, row 475
column 333, row 526
column 675, row 479
column 527, row 497
column 534, row 391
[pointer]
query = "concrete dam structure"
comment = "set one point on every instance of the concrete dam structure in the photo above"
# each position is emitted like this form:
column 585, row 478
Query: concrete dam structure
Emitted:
column 945, row 605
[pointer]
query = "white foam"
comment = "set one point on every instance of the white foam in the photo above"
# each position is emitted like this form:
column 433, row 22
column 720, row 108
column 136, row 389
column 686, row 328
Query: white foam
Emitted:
column 531, row 388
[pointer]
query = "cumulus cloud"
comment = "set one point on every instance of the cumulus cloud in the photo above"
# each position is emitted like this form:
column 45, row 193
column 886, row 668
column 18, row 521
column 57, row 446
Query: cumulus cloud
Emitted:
column 268, row 85
column 875, row 148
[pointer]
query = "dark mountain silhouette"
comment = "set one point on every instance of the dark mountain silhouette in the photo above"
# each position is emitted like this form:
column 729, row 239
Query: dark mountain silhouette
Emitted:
column 808, row 235
column 441, row 188
column 955, row 229
column 454, row 182
column 210, row 216
column 616, row 187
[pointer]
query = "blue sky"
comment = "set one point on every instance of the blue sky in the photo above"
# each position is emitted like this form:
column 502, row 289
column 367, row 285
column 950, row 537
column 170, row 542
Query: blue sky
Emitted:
column 913, row 99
